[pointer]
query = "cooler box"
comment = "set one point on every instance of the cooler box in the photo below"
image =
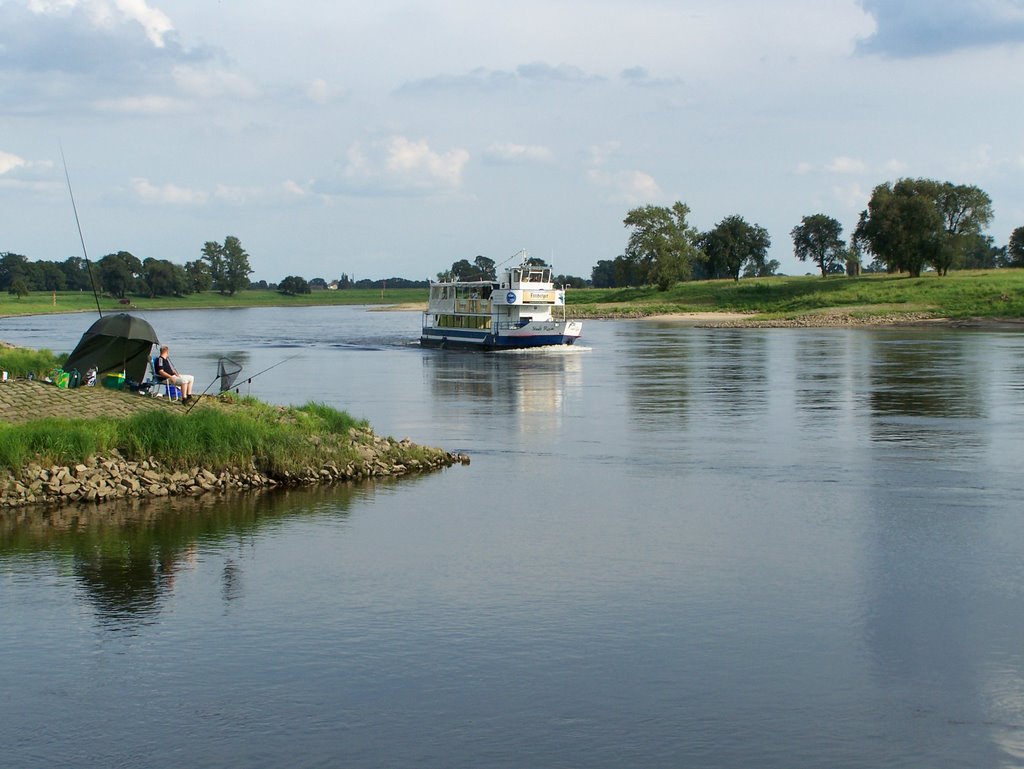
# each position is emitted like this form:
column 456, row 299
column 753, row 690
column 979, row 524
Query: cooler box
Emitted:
column 114, row 381
column 173, row 392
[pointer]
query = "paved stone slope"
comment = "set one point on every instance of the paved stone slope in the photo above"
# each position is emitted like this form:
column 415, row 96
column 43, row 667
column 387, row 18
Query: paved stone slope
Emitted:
column 22, row 400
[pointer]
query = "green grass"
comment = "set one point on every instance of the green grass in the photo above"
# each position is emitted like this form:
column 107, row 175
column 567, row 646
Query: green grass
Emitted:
column 961, row 294
column 277, row 439
column 21, row 361
column 76, row 301
column 982, row 293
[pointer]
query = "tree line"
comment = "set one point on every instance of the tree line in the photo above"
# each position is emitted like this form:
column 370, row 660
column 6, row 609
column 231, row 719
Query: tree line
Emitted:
column 223, row 267
column 908, row 226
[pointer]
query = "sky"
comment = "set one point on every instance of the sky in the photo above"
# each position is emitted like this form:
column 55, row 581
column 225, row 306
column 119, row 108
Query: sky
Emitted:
column 393, row 138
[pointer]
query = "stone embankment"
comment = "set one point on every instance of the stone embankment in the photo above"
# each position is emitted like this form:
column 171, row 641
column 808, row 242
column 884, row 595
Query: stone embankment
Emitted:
column 102, row 478
column 114, row 476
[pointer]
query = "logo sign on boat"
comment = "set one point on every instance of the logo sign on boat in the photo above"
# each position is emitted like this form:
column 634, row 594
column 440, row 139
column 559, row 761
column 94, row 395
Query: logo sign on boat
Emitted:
column 510, row 297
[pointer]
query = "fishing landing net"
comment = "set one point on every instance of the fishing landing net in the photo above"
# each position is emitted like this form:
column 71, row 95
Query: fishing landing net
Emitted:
column 227, row 373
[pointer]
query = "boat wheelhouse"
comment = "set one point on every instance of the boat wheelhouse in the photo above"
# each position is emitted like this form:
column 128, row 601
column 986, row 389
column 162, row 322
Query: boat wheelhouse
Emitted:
column 517, row 310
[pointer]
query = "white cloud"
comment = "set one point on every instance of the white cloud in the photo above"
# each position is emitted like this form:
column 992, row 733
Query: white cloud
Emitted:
column 105, row 14
column 628, row 187
column 154, row 21
column 170, row 194
column 236, row 195
column 852, row 196
column 895, row 167
column 398, row 165
column 601, row 153
column 846, row 165
column 9, row 162
column 518, row 153
column 295, row 190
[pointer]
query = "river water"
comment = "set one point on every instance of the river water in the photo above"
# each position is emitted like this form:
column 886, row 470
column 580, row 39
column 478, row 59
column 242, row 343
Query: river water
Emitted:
column 674, row 547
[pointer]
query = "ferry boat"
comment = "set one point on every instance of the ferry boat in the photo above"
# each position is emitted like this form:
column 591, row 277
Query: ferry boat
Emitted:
column 514, row 311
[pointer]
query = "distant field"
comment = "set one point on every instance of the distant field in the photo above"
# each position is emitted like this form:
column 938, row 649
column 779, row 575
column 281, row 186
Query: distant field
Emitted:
column 74, row 301
column 967, row 294
column 982, row 294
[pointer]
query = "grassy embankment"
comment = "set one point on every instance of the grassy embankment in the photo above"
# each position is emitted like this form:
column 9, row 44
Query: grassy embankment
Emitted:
column 968, row 294
column 77, row 301
column 279, row 441
column 964, row 294
column 219, row 433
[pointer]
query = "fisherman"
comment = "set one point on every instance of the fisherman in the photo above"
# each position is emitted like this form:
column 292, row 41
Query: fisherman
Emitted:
column 167, row 372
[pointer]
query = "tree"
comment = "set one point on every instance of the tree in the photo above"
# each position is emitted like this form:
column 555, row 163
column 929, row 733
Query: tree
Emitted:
column 981, row 253
column 1015, row 248
column 12, row 267
column 486, row 268
column 76, row 274
column 292, row 285
column 902, row 227
column 733, row 244
column 817, row 238
column 603, row 274
column 662, row 246
column 229, row 265
column 163, row 278
column 213, row 254
column 49, row 277
column 761, row 269
column 197, row 276
column 918, row 222
column 18, row 287
column 237, row 269
column 460, row 270
column 115, row 276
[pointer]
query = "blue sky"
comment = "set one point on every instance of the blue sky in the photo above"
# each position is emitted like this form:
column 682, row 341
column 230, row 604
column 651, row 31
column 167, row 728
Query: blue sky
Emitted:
column 393, row 138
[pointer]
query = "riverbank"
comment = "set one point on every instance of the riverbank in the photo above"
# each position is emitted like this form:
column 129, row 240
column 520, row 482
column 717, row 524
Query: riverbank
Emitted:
column 91, row 444
column 877, row 299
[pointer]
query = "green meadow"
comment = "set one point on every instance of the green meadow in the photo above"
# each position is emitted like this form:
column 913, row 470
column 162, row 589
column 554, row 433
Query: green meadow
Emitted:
column 963, row 294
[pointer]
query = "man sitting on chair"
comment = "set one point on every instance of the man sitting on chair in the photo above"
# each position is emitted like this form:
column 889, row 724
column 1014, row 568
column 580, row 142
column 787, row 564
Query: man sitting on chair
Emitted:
column 167, row 373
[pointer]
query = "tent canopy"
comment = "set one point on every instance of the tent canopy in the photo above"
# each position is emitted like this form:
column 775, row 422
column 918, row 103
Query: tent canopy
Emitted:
column 119, row 342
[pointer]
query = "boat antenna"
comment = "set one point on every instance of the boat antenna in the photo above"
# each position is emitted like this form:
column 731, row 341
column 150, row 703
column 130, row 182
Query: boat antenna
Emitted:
column 521, row 252
column 81, row 237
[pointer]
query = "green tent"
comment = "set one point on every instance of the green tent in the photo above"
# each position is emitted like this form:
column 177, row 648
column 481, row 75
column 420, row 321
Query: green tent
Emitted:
column 115, row 343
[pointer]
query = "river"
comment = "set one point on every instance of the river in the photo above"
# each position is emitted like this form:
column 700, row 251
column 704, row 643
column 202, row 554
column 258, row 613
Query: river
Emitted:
column 674, row 547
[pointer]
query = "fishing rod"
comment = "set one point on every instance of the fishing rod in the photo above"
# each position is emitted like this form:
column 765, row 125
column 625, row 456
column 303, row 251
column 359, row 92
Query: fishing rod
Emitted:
column 81, row 237
column 247, row 380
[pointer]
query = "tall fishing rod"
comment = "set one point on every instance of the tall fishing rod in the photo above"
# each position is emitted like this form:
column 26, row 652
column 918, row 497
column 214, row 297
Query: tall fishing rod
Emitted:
column 81, row 237
column 247, row 380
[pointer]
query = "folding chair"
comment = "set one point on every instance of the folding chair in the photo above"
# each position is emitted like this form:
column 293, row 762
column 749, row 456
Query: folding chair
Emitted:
column 173, row 393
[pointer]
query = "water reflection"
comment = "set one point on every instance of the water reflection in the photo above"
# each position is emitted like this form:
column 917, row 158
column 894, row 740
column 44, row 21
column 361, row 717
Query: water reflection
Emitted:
column 530, row 383
column 928, row 394
column 674, row 371
column 125, row 556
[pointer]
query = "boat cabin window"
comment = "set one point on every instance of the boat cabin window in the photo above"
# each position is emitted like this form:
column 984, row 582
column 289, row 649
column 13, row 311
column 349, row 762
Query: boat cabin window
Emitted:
column 538, row 275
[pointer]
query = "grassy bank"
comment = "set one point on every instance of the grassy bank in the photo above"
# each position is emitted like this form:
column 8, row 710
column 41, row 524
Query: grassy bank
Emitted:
column 77, row 301
column 235, row 432
column 21, row 361
column 980, row 294
column 963, row 294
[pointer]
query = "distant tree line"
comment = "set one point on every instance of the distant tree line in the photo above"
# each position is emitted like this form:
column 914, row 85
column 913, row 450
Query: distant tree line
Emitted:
column 223, row 267
column 908, row 226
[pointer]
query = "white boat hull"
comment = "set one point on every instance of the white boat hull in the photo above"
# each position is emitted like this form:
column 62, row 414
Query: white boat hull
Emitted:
column 539, row 334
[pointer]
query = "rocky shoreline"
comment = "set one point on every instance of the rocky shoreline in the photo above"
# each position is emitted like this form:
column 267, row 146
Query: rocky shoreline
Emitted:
column 113, row 476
